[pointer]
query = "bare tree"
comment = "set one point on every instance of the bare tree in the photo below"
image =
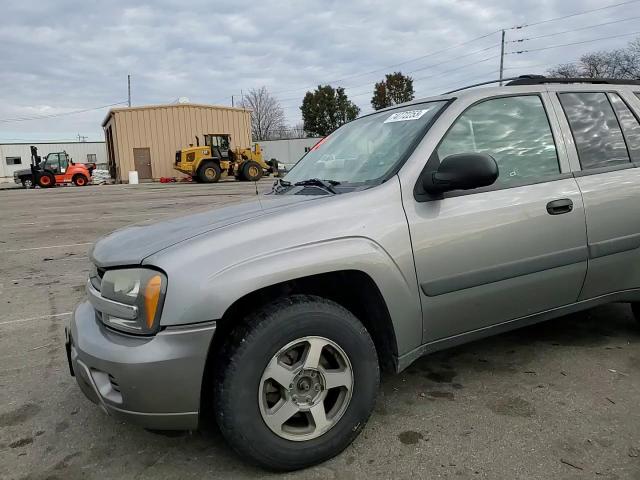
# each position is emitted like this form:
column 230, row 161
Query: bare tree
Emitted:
column 267, row 117
column 621, row 63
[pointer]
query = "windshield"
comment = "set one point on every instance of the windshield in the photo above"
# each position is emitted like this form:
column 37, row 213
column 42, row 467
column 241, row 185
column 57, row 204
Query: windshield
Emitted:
column 367, row 149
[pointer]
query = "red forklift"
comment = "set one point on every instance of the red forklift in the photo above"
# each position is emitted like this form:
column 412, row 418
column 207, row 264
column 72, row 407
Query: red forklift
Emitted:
column 56, row 169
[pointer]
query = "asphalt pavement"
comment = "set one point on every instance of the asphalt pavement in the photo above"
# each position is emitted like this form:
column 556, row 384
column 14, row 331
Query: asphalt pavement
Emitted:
column 558, row 400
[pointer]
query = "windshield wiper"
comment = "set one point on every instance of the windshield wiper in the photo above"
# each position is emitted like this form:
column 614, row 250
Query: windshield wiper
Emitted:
column 280, row 185
column 326, row 185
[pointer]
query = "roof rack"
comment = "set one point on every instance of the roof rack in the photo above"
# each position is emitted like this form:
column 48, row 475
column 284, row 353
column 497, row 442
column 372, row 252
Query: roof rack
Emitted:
column 480, row 84
column 541, row 80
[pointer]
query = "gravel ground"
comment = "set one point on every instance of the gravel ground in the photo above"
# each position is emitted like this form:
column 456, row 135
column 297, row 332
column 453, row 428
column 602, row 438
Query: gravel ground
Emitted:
column 557, row 400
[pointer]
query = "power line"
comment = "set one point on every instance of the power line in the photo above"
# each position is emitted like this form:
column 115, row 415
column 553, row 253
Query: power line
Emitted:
column 572, row 43
column 284, row 100
column 584, row 12
column 395, row 64
column 54, row 115
column 517, row 27
column 519, row 40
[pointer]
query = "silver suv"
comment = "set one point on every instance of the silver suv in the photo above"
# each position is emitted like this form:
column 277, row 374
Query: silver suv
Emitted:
column 406, row 231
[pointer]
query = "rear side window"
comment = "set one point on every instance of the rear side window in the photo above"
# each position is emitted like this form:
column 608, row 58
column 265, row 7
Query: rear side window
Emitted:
column 515, row 131
column 630, row 126
column 595, row 129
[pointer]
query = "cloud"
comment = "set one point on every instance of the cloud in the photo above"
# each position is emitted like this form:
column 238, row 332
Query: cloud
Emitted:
column 70, row 55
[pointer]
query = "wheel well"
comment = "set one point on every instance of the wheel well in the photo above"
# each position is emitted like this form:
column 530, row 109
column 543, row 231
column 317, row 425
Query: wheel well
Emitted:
column 204, row 161
column 353, row 289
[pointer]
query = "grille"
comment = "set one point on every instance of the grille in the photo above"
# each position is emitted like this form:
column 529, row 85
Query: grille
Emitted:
column 96, row 280
column 114, row 384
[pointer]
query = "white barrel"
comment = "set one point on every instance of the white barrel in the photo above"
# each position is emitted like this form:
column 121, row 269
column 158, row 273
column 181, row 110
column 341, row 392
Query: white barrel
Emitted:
column 133, row 178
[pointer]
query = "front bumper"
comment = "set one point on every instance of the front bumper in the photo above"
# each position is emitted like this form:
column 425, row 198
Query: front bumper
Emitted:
column 151, row 381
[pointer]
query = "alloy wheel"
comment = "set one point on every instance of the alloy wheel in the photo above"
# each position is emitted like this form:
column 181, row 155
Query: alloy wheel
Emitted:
column 305, row 388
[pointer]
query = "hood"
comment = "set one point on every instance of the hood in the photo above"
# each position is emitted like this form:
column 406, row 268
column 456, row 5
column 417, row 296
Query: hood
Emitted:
column 131, row 245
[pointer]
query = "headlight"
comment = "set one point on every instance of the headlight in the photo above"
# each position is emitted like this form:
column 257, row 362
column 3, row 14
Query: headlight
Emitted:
column 140, row 287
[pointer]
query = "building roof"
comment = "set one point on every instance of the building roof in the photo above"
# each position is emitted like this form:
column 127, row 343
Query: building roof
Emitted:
column 169, row 105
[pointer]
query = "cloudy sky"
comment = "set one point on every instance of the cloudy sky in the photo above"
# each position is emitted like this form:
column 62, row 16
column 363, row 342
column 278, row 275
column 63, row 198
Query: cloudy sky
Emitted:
column 62, row 56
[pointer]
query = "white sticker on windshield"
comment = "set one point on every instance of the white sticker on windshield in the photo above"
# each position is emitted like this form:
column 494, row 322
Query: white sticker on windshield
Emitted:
column 406, row 116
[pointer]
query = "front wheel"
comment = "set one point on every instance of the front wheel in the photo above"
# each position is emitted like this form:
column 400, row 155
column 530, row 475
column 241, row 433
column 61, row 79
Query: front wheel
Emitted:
column 209, row 172
column 46, row 180
column 296, row 383
column 27, row 182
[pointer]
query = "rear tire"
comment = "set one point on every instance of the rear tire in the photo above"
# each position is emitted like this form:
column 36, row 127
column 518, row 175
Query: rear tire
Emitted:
column 46, row 180
column 209, row 172
column 247, row 396
column 80, row 180
column 252, row 171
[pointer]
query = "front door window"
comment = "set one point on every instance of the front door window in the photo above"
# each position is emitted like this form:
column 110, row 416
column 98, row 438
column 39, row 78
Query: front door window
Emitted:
column 515, row 131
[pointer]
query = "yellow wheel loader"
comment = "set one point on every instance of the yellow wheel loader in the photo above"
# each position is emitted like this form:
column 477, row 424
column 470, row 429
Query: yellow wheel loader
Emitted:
column 207, row 163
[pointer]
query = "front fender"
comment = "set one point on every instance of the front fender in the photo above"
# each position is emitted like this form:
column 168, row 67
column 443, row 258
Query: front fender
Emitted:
column 222, row 288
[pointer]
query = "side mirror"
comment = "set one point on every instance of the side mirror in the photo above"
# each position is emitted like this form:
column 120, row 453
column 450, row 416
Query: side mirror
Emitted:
column 462, row 171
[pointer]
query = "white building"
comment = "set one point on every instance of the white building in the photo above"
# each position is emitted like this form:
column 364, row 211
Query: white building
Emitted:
column 287, row 151
column 17, row 156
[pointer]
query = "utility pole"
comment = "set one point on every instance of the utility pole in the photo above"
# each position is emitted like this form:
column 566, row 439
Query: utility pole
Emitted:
column 502, row 58
column 232, row 100
column 82, row 138
column 129, row 82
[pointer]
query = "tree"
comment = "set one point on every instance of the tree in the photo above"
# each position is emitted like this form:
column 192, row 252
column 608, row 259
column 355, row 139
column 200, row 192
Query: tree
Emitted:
column 267, row 117
column 326, row 109
column 623, row 63
column 396, row 88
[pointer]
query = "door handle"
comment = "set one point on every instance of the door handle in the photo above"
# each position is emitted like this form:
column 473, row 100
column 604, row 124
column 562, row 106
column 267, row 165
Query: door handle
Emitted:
column 558, row 207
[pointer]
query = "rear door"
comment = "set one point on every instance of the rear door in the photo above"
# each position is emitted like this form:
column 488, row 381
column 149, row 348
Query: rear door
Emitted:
column 494, row 254
column 603, row 134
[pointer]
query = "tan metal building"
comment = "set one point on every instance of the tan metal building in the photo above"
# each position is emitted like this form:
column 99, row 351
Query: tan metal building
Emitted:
column 146, row 138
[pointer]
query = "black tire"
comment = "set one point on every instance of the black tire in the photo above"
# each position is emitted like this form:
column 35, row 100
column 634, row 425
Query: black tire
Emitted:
column 252, row 171
column 635, row 308
column 27, row 182
column 240, row 364
column 47, row 180
column 209, row 172
column 273, row 167
column 80, row 180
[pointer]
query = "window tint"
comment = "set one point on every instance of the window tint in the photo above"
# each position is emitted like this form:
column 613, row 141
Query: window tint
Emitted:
column 595, row 129
column 630, row 126
column 513, row 130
